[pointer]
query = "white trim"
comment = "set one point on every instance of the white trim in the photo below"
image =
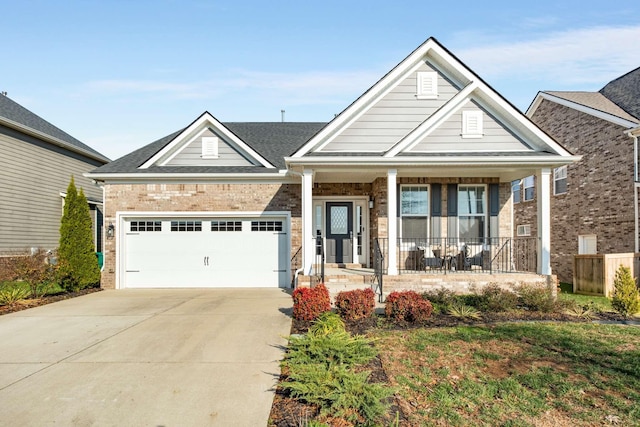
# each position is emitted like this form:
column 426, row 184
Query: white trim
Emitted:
column 578, row 107
column 526, row 230
column 551, row 161
column 209, row 147
column 410, row 64
column 436, row 119
column 206, row 120
column 543, row 188
column 556, row 179
column 392, row 221
column 122, row 216
column 308, row 247
column 89, row 201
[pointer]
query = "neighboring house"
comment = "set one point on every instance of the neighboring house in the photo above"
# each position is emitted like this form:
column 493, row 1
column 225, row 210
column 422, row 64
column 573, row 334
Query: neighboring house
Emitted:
column 429, row 145
column 594, row 201
column 37, row 161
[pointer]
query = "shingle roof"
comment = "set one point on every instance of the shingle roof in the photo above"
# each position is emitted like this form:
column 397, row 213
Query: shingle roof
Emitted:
column 595, row 100
column 272, row 140
column 14, row 113
column 625, row 92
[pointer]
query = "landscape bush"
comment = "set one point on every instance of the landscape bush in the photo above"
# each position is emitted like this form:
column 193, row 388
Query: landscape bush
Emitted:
column 320, row 368
column 309, row 303
column 441, row 299
column 34, row 270
column 356, row 304
column 407, row 306
column 493, row 298
column 11, row 294
column 537, row 298
column 626, row 299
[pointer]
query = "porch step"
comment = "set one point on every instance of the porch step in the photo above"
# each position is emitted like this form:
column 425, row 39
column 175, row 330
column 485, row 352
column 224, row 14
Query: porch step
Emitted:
column 342, row 265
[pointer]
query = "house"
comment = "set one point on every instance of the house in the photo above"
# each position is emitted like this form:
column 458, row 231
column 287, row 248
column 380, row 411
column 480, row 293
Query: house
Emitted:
column 430, row 145
column 594, row 201
column 37, row 161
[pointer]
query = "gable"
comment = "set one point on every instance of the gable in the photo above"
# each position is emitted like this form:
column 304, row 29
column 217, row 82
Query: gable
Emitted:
column 392, row 119
column 451, row 135
column 208, row 148
column 183, row 149
column 405, row 106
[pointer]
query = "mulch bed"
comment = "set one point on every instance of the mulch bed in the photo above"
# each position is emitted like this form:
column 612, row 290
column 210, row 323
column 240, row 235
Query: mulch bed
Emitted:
column 48, row 299
column 289, row 412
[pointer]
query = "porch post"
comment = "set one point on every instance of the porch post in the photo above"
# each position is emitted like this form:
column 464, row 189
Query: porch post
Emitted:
column 308, row 249
column 543, row 188
column 392, row 224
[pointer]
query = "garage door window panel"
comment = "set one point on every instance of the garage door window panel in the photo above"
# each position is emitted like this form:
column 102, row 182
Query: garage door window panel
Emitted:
column 186, row 225
column 136, row 226
column 266, row 225
column 226, row 226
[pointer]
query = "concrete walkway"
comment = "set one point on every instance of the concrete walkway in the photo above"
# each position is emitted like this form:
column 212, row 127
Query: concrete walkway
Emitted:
column 170, row 357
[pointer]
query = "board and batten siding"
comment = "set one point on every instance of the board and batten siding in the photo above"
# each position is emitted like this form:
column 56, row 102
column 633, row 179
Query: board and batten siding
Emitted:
column 32, row 176
column 191, row 155
column 393, row 117
column 448, row 136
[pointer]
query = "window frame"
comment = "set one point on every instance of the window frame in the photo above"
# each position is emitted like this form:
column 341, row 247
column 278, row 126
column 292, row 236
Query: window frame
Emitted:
column 556, row 180
column 526, row 230
column 532, row 187
column 484, row 215
column 425, row 216
column 517, row 183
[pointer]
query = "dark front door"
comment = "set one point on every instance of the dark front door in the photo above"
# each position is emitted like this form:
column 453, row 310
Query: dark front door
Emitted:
column 339, row 230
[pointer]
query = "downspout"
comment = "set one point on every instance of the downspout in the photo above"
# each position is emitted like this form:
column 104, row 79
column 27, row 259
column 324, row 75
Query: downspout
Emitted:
column 633, row 133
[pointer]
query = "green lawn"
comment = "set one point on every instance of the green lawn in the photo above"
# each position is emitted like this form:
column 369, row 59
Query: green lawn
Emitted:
column 516, row 374
column 601, row 303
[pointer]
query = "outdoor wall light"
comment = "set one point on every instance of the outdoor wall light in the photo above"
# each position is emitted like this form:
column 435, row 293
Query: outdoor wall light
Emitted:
column 370, row 202
column 111, row 229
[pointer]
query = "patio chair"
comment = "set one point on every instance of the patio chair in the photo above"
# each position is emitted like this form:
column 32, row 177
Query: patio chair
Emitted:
column 431, row 258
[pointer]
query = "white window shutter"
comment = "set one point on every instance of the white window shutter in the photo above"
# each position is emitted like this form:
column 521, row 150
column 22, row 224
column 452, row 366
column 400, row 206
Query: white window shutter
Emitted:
column 209, row 147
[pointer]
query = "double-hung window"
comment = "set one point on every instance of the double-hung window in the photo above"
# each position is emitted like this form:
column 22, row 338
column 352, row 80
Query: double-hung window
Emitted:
column 528, row 185
column 414, row 212
column 560, row 180
column 516, row 189
column 472, row 212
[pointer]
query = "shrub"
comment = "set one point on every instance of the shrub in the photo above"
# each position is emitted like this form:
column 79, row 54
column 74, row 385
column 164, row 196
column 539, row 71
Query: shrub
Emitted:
column 10, row 295
column 462, row 311
column 440, row 298
column 407, row 306
column 78, row 264
column 356, row 304
column 536, row 298
column 309, row 303
column 327, row 323
column 626, row 299
column 34, row 271
column 494, row 298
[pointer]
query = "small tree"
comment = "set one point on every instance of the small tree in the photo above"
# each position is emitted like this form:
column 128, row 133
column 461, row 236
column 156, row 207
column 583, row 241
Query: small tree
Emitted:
column 626, row 299
column 78, row 263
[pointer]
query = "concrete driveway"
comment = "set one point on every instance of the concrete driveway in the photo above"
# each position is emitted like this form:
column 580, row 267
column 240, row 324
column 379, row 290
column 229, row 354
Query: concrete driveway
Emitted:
column 174, row 357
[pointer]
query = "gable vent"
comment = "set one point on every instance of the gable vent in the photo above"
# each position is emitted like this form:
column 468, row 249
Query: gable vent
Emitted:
column 209, row 147
column 427, row 85
column 472, row 124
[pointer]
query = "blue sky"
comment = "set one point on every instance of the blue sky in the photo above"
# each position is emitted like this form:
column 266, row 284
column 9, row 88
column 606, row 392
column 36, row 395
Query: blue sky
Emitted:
column 120, row 74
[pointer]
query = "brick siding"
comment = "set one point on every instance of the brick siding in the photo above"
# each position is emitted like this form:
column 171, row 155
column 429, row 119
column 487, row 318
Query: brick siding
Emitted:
column 599, row 197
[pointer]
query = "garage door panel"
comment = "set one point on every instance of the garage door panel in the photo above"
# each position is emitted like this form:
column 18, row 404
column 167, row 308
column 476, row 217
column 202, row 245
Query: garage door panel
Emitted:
column 215, row 256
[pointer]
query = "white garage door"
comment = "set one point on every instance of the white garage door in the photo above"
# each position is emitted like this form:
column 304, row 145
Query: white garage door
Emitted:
column 205, row 252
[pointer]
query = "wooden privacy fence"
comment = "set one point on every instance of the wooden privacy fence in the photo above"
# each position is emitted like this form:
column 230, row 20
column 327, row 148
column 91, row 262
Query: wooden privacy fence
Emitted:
column 593, row 274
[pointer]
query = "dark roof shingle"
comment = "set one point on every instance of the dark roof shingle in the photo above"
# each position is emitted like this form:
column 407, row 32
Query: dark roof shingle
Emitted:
column 625, row 92
column 16, row 113
column 272, row 140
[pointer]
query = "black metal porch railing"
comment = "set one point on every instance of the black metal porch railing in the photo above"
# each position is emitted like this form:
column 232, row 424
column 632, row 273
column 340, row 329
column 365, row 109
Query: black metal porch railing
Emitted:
column 378, row 269
column 449, row 255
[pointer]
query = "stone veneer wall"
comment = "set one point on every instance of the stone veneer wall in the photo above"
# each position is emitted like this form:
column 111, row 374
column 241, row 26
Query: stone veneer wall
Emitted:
column 197, row 197
column 599, row 197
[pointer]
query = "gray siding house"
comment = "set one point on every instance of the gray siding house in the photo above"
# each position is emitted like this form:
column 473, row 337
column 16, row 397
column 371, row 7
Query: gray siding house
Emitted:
column 37, row 161
column 594, row 202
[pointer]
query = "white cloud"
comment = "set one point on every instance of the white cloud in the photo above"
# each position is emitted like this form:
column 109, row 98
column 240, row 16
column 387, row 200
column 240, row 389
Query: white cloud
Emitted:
column 584, row 56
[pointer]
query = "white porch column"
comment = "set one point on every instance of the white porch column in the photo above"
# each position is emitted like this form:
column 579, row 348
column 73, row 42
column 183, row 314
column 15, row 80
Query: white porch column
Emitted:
column 543, row 189
column 308, row 246
column 392, row 223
